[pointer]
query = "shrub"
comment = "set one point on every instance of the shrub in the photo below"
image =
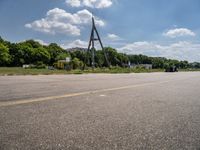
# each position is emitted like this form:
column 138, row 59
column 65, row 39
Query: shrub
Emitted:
column 76, row 64
column 40, row 65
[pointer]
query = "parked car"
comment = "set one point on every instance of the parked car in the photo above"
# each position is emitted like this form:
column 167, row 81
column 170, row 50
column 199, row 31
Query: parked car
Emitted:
column 171, row 69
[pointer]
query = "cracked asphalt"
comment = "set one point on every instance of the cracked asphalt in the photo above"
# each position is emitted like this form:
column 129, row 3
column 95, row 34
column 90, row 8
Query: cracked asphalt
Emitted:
column 113, row 111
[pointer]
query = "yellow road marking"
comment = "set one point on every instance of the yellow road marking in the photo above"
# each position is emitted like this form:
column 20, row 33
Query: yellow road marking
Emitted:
column 26, row 101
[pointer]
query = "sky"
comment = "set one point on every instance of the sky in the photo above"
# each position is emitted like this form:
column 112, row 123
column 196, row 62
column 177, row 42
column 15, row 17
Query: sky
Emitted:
column 163, row 28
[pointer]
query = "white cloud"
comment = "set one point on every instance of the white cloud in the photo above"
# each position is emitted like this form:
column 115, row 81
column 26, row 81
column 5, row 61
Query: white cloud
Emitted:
column 179, row 32
column 90, row 3
column 181, row 50
column 76, row 43
column 59, row 21
column 74, row 3
column 85, row 18
column 113, row 37
column 104, row 4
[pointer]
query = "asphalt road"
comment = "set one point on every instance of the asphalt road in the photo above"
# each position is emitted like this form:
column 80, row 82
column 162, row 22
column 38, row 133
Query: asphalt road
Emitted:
column 126, row 111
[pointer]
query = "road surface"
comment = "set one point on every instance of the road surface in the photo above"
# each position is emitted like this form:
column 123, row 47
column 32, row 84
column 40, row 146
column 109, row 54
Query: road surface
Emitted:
column 100, row 111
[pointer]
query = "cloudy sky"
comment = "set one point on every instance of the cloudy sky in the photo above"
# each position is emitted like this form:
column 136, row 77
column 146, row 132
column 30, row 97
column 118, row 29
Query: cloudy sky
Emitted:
column 169, row 28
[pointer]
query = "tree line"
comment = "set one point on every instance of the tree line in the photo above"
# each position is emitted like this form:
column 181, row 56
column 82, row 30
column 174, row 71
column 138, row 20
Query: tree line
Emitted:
column 32, row 52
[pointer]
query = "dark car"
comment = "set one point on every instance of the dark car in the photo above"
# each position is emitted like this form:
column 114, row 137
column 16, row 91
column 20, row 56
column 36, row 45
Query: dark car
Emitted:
column 171, row 69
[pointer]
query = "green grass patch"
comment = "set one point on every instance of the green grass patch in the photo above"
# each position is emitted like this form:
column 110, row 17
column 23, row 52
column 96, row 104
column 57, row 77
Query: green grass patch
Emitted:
column 189, row 70
column 21, row 71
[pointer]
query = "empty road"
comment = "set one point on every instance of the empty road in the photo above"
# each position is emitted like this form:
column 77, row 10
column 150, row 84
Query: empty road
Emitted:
column 100, row 111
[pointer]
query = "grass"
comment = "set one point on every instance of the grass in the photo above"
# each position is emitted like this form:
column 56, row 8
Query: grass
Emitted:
column 121, row 70
column 115, row 70
column 188, row 70
column 20, row 71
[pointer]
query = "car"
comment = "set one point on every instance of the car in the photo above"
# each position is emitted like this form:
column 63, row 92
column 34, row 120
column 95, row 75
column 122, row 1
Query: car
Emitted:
column 171, row 69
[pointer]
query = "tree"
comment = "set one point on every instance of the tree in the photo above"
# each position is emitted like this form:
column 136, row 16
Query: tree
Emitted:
column 184, row 64
column 21, row 53
column 123, row 59
column 158, row 62
column 81, row 55
column 76, row 64
column 42, row 55
column 54, row 51
column 112, row 56
column 194, row 65
column 32, row 52
column 1, row 40
column 140, row 59
column 5, row 43
column 62, row 56
column 32, row 43
column 4, row 55
column 100, row 59
column 28, row 53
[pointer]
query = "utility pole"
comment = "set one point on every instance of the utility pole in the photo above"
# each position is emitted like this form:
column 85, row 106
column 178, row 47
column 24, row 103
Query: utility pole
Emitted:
column 91, row 46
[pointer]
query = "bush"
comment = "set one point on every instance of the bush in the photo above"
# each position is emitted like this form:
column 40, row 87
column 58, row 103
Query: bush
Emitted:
column 76, row 64
column 39, row 65
column 4, row 55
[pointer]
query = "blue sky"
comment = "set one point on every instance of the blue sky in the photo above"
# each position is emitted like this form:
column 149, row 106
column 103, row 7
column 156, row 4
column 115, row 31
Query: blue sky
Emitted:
column 152, row 27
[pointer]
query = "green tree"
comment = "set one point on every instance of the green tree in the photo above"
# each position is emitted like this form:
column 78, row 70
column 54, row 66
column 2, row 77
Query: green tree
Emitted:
column 4, row 55
column 1, row 40
column 41, row 55
column 112, row 56
column 28, row 53
column 54, row 51
column 32, row 44
column 76, row 64
column 100, row 59
column 184, row 64
column 194, row 65
column 140, row 59
column 122, row 59
column 158, row 62
column 62, row 56
column 81, row 55
column 21, row 53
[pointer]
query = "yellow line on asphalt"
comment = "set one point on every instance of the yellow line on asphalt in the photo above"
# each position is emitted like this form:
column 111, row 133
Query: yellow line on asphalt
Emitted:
column 26, row 101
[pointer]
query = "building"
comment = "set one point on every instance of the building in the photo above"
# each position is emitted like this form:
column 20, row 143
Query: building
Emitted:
column 63, row 64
